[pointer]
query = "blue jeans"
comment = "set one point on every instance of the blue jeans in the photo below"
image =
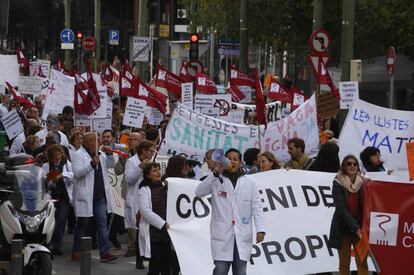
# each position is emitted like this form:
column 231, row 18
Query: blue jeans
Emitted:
column 237, row 266
column 99, row 213
column 61, row 215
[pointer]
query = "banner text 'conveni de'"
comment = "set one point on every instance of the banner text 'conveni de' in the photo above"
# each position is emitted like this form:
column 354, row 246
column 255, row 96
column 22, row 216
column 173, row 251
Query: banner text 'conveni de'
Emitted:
column 191, row 134
column 386, row 129
column 297, row 214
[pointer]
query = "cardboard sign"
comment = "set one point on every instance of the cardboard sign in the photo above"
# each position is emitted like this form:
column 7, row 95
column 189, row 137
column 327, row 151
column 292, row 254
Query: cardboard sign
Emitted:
column 155, row 117
column 31, row 85
column 328, row 105
column 134, row 112
column 349, row 92
column 187, row 94
column 213, row 105
column 12, row 124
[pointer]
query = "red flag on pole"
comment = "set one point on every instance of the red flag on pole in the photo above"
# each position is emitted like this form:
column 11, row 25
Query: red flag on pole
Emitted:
column 278, row 92
column 154, row 98
column 260, row 101
column 205, row 84
column 239, row 78
column 168, row 80
column 236, row 94
column 184, row 76
column 87, row 99
column 21, row 59
column 93, row 94
column 22, row 101
column 128, row 83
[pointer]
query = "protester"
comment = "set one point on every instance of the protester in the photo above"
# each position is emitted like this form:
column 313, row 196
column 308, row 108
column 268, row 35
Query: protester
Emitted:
column 52, row 125
column 67, row 114
column 250, row 160
column 31, row 144
column 346, row 221
column 60, row 177
column 38, row 104
column 371, row 159
column 33, row 113
column 231, row 221
column 144, row 152
column 75, row 143
column 92, row 194
column 267, row 161
column 108, row 138
column 327, row 159
column 154, row 241
column 17, row 144
column 299, row 160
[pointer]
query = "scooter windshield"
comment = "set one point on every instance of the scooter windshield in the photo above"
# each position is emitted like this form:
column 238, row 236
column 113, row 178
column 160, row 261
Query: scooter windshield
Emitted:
column 30, row 181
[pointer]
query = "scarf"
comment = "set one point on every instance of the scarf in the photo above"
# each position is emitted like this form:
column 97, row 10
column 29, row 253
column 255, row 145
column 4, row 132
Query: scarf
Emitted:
column 345, row 181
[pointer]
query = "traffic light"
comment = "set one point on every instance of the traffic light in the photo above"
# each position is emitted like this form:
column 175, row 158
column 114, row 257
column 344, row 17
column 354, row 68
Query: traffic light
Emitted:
column 79, row 35
column 193, row 53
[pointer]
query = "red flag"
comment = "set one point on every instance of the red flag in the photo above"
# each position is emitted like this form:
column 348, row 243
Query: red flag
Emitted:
column 260, row 101
column 236, row 94
column 298, row 97
column 21, row 59
column 22, row 101
column 278, row 92
column 154, row 98
column 205, row 84
column 239, row 78
column 168, row 80
column 128, row 83
column 324, row 77
column 87, row 98
column 108, row 74
column 93, row 94
column 184, row 76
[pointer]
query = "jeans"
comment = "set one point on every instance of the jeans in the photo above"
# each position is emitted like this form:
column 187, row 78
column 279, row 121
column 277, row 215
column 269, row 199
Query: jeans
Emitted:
column 99, row 214
column 345, row 257
column 61, row 215
column 237, row 266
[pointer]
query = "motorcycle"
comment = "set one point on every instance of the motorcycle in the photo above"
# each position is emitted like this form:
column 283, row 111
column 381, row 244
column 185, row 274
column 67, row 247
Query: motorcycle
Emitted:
column 28, row 213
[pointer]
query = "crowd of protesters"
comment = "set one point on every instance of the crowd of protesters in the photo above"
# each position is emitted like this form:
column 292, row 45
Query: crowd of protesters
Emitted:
column 76, row 162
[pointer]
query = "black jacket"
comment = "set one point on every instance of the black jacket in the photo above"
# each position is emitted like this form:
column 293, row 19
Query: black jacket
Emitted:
column 343, row 223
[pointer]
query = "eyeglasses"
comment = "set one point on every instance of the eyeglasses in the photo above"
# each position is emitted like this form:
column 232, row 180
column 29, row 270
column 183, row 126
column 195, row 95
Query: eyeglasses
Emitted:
column 351, row 163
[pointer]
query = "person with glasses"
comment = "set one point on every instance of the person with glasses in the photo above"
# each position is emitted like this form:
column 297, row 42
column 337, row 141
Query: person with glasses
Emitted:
column 52, row 124
column 346, row 221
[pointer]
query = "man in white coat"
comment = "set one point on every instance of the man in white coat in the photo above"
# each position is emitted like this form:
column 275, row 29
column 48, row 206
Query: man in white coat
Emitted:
column 52, row 123
column 235, row 204
column 91, row 196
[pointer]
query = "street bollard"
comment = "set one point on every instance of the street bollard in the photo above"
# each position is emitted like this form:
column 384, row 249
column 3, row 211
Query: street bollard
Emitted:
column 86, row 247
column 16, row 257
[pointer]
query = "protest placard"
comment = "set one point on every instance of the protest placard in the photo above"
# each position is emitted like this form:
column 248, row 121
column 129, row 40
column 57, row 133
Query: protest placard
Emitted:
column 187, row 94
column 12, row 124
column 134, row 112
column 349, row 91
column 216, row 105
column 9, row 69
column 31, row 85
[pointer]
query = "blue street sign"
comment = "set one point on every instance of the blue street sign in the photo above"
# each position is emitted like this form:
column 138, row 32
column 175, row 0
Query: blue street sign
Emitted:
column 67, row 36
column 113, row 37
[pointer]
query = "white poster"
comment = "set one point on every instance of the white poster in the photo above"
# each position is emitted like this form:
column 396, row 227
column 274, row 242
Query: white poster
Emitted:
column 297, row 209
column 134, row 112
column 140, row 51
column 31, row 85
column 12, row 124
column 187, row 94
column 387, row 129
column 60, row 93
column 191, row 133
column 9, row 69
column 216, row 105
column 155, row 117
column 44, row 65
column 349, row 91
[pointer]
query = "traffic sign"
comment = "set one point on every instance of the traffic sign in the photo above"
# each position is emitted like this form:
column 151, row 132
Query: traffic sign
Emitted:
column 319, row 41
column 67, row 36
column 89, row 43
column 113, row 37
column 390, row 61
column 194, row 67
column 314, row 61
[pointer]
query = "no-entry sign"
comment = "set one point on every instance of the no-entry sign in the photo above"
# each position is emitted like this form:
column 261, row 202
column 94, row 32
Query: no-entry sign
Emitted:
column 89, row 43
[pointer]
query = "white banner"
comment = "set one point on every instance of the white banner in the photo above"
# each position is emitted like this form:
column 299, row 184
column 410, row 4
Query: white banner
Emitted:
column 386, row 129
column 297, row 216
column 274, row 111
column 187, row 94
column 217, row 105
column 31, row 85
column 117, row 201
column 60, row 93
column 192, row 134
column 12, row 124
column 134, row 112
column 9, row 69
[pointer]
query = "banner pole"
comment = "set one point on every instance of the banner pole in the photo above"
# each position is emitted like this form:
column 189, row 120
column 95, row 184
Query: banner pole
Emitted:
column 260, row 138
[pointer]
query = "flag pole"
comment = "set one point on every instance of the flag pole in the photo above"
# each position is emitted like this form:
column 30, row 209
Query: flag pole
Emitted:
column 260, row 138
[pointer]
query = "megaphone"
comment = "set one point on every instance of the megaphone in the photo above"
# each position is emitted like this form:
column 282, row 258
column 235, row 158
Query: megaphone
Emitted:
column 218, row 156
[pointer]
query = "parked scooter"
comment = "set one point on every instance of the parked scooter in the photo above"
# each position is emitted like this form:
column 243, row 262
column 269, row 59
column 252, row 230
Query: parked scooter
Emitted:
column 27, row 213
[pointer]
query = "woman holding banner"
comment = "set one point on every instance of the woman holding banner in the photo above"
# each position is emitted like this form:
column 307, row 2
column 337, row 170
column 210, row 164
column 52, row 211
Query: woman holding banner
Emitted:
column 346, row 222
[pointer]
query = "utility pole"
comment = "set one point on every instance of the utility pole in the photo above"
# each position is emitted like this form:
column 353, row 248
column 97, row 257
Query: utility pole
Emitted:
column 317, row 23
column 67, row 26
column 97, row 33
column 143, row 31
column 347, row 37
column 243, row 37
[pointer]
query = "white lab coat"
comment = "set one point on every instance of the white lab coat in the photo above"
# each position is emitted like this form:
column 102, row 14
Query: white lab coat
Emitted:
column 17, row 144
column 43, row 133
column 84, row 181
column 241, row 205
column 133, row 177
column 148, row 217
column 67, row 174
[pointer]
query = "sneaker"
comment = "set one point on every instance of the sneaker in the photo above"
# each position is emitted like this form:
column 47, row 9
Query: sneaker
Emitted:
column 130, row 253
column 76, row 257
column 107, row 257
